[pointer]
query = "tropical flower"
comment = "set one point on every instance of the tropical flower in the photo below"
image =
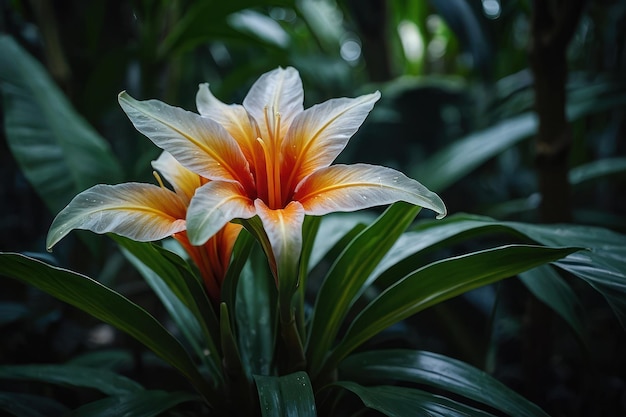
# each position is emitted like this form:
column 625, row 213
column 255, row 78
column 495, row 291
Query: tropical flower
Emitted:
column 271, row 158
column 146, row 212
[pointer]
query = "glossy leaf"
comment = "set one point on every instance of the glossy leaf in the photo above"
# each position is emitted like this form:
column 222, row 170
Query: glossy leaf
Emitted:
column 181, row 292
column 102, row 380
column 286, row 396
column 106, row 305
column 57, row 150
column 548, row 286
column 347, row 275
column 606, row 275
column 401, row 401
column 137, row 404
column 27, row 405
column 256, row 315
column 438, row 282
column 607, row 250
column 440, row 372
column 185, row 321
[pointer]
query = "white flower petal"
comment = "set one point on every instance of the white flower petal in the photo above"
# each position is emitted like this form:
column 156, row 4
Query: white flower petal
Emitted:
column 280, row 91
column 181, row 179
column 359, row 186
column 320, row 133
column 215, row 204
column 142, row 212
column 198, row 143
column 233, row 117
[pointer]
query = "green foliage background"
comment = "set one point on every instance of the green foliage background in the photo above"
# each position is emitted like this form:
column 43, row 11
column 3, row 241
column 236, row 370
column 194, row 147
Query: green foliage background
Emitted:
column 456, row 114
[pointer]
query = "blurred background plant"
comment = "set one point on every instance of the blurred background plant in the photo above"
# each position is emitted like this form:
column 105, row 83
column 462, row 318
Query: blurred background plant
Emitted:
column 457, row 113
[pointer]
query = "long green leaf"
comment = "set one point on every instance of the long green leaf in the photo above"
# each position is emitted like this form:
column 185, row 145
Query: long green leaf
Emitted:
column 137, row 404
column 58, row 151
column 607, row 251
column 185, row 321
column 401, row 401
column 597, row 169
column 440, row 281
column 347, row 276
column 181, row 292
column 106, row 305
column 437, row 371
column 286, row 396
column 256, row 315
column 461, row 157
column 79, row 376
column 27, row 405
column 464, row 155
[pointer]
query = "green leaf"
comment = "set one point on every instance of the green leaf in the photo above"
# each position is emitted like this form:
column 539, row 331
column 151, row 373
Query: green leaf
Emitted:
column 438, row 282
column 106, row 305
column 241, row 251
column 58, row 151
column 182, row 294
column 437, row 371
column 548, row 286
column 402, row 401
column 348, row 274
column 27, row 405
column 256, row 315
column 603, row 267
column 185, row 321
column 461, row 157
column 286, row 396
column 606, row 275
column 137, row 404
column 79, row 376
column 110, row 359
column 333, row 228
column 597, row 169
column 464, row 155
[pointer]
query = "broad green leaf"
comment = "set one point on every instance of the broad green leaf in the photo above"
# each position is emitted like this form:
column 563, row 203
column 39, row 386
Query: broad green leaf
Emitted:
column 79, row 376
column 438, row 282
column 182, row 293
column 137, row 404
column 548, row 286
column 57, row 150
column 437, row 371
column 347, row 276
column 286, row 396
column 27, row 405
column 401, row 401
column 106, row 305
column 597, row 169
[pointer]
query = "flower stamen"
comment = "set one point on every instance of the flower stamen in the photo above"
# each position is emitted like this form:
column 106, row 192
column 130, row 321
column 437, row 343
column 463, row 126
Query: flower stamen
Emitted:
column 158, row 178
